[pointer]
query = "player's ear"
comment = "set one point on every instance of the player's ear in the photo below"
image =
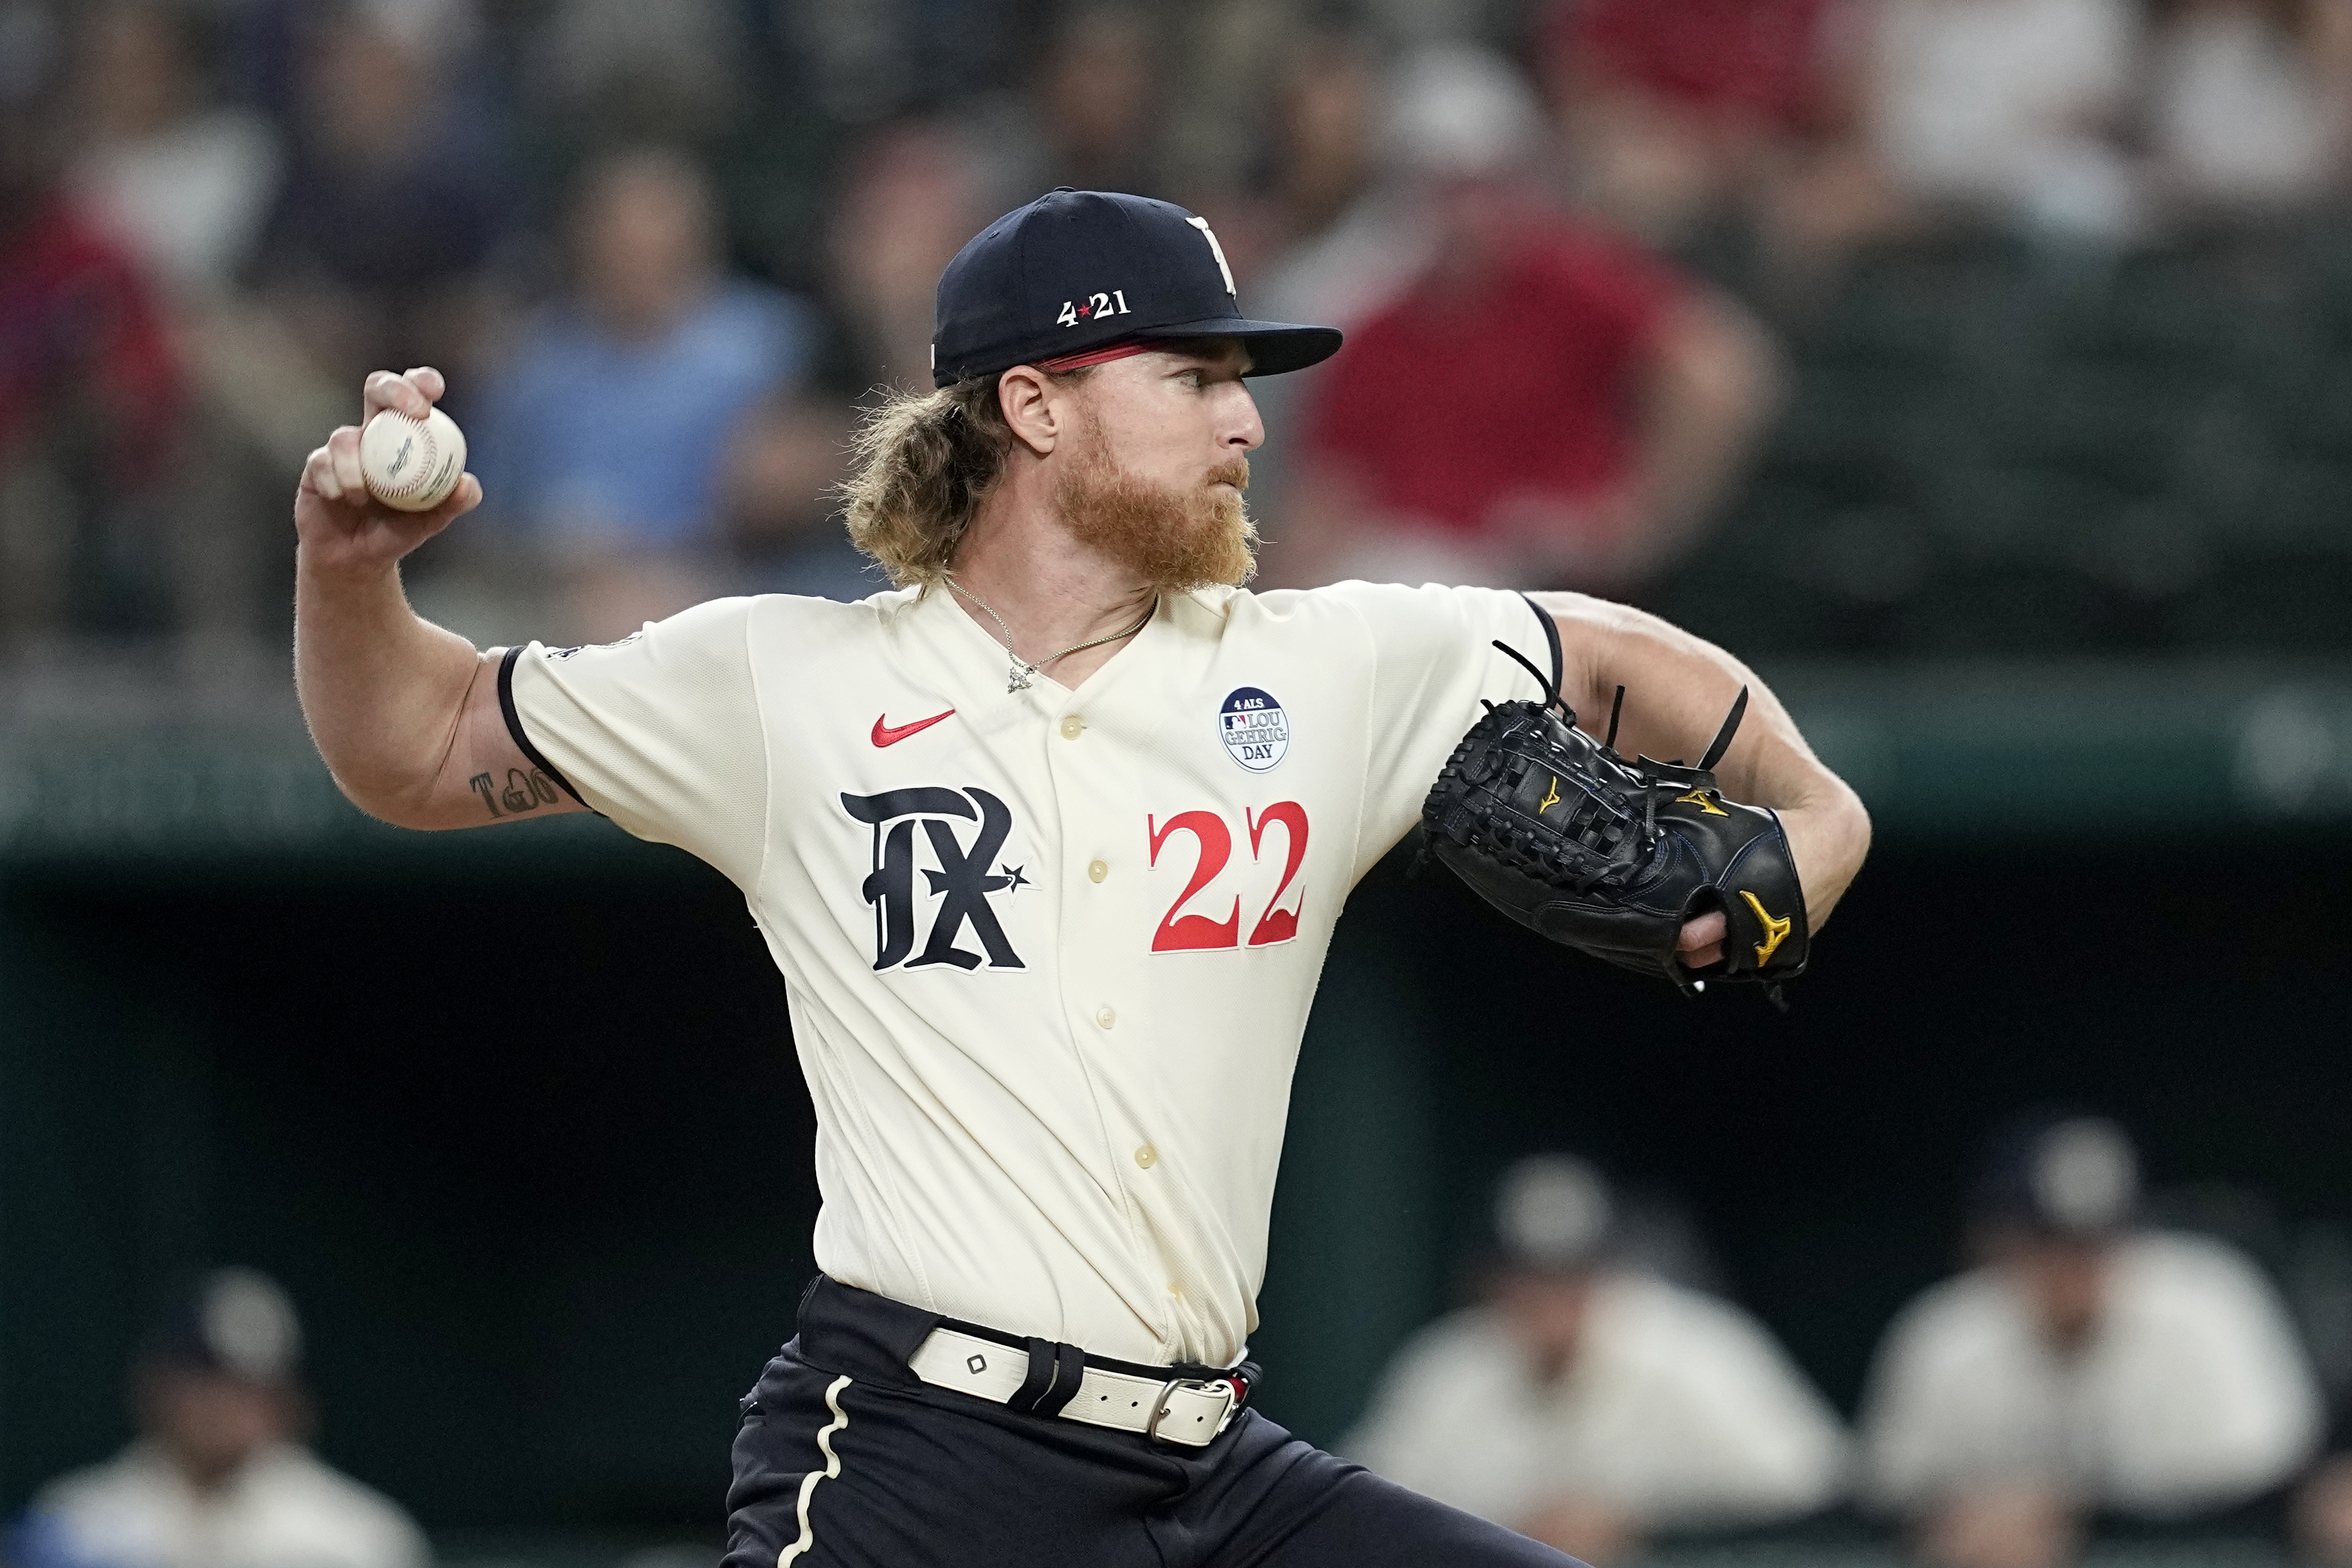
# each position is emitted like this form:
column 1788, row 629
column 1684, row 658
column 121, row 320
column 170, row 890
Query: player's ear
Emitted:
column 1031, row 412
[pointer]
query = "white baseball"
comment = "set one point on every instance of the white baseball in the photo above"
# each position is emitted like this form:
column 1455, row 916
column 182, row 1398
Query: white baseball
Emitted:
column 412, row 464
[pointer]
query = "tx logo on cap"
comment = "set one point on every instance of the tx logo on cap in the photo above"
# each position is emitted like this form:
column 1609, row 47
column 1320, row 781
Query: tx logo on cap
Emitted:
column 1029, row 288
column 1219, row 252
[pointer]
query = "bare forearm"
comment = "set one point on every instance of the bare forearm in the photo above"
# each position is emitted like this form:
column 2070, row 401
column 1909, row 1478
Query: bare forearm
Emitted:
column 406, row 715
column 1678, row 688
column 385, row 692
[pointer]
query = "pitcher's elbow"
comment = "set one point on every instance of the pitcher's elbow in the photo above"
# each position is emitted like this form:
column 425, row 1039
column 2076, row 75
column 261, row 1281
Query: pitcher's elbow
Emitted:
column 396, row 804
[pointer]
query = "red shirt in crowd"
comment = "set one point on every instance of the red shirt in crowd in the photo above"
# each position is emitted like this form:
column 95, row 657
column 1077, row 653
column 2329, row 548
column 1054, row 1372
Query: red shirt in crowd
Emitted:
column 1734, row 59
column 1524, row 386
column 81, row 339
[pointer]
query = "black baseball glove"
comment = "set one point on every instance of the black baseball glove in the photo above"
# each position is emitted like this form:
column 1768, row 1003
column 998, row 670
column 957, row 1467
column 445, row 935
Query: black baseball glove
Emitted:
column 1612, row 857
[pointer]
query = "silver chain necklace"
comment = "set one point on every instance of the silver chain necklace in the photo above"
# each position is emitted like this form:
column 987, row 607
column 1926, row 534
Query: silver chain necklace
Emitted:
column 1017, row 677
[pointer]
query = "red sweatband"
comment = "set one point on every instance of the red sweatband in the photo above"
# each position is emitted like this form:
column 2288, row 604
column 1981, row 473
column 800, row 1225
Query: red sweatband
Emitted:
column 1102, row 356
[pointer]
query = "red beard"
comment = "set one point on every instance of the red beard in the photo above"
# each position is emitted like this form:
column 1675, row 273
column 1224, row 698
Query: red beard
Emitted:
column 1175, row 540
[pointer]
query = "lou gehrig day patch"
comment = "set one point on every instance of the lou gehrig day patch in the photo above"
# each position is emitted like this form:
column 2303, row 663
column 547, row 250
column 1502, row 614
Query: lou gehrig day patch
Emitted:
column 1255, row 730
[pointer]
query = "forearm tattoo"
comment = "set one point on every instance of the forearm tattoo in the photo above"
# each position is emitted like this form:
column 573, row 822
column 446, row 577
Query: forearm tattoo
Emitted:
column 522, row 792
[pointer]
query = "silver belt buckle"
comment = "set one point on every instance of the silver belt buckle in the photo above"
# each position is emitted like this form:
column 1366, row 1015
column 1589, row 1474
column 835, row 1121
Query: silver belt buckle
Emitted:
column 1159, row 1406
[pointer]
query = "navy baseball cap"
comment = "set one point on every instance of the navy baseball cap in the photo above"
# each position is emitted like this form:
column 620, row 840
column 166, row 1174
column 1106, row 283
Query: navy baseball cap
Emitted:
column 2057, row 1173
column 237, row 1321
column 1079, row 271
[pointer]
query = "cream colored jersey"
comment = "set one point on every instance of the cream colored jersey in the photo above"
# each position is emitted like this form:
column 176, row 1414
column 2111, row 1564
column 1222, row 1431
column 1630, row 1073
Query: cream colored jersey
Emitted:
column 1049, row 953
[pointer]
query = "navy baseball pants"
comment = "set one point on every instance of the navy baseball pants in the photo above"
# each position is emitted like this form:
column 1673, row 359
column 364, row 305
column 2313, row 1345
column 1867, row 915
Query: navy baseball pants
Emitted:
column 846, row 1458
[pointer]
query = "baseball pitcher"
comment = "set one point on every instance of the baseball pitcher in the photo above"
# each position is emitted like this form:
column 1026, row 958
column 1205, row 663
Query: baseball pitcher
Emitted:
column 1048, row 842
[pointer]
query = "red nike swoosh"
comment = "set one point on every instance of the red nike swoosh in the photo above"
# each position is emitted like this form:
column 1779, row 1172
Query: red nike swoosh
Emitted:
column 886, row 734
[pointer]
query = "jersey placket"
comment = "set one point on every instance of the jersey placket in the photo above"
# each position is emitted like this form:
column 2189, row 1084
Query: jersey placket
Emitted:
column 1104, row 994
column 1097, row 973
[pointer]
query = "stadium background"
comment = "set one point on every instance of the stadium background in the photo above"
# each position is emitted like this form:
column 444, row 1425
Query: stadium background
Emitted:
column 2048, row 550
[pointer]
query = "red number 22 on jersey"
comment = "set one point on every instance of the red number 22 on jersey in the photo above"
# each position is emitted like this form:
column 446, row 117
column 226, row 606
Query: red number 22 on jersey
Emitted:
column 1196, row 933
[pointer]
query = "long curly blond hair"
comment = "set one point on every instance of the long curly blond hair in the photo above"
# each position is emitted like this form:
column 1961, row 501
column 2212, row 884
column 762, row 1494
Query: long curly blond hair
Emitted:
column 925, row 462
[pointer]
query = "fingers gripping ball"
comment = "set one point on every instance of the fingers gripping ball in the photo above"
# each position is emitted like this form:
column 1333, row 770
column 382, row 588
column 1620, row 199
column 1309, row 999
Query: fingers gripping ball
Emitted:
column 411, row 465
column 1613, row 857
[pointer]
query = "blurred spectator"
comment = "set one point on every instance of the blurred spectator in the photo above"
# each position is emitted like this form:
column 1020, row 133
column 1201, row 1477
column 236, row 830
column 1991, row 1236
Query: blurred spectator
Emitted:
column 2322, row 1515
column 619, row 70
column 1543, row 406
column 863, row 60
column 2084, row 1363
column 393, row 203
column 1325, row 156
column 2008, row 110
column 1588, row 1404
column 1673, row 113
column 910, row 195
column 90, row 399
column 219, row 1477
column 1098, row 97
column 1343, row 223
column 2247, row 101
column 604, row 439
column 781, row 511
column 184, row 185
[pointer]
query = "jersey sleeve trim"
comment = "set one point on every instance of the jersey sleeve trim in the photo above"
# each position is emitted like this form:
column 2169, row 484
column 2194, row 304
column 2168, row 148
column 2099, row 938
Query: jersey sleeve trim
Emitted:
column 1543, row 617
column 514, row 726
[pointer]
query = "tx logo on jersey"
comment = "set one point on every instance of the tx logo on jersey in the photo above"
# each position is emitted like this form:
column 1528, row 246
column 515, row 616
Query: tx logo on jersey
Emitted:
column 905, row 822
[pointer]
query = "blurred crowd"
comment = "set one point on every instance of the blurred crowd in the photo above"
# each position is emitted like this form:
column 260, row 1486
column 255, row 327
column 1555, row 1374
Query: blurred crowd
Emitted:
column 2107, row 1357
column 2103, row 1359
column 221, row 1474
column 663, row 252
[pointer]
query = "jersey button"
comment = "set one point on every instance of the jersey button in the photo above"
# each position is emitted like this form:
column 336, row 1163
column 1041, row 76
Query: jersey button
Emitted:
column 1106, row 1018
column 1098, row 870
column 1147, row 1156
column 1071, row 725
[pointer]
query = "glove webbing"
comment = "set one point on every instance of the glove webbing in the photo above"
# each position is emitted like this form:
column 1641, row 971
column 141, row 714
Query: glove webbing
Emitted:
column 1584, row 833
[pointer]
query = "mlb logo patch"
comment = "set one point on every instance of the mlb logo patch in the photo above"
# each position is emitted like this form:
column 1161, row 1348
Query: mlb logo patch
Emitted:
column 1255, row 729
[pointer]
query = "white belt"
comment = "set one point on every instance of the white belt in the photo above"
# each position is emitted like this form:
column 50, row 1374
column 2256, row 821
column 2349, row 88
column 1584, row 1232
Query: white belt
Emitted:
column 1190, row 1411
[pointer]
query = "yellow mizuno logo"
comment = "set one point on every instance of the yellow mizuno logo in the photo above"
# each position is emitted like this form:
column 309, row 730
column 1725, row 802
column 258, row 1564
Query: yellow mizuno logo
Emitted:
column 1552, row 799
column 1698, row 798
column 1775, row 930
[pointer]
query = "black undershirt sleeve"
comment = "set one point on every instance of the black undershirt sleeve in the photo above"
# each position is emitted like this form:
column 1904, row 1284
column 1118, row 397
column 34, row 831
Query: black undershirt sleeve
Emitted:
column 1543, row 617
column 514, row 719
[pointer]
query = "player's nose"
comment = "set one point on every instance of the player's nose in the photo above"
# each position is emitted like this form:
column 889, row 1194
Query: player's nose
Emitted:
column 1242, row 430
